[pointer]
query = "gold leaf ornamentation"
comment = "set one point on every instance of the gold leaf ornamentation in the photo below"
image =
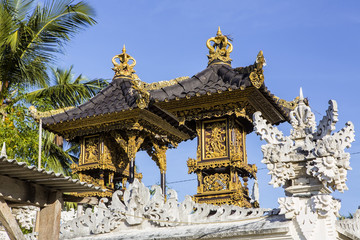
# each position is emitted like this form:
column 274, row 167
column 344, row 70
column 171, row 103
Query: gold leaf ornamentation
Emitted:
column 257, row 75
column 215, row 139
column 216, row 182
column 220, row 50
column 124, row 69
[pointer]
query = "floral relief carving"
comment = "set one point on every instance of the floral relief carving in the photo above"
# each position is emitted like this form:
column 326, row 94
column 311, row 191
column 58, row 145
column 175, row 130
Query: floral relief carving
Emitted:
column 216, row 182
column 135, row 207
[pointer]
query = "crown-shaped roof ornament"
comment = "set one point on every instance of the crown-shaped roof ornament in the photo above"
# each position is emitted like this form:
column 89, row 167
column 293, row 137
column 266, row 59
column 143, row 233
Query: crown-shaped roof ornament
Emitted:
column 219, row 51
column 124, row 68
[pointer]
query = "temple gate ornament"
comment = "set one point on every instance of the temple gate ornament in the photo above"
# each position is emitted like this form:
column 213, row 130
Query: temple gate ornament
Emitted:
column 308, row 164
column 124, row 69
column 220, row 50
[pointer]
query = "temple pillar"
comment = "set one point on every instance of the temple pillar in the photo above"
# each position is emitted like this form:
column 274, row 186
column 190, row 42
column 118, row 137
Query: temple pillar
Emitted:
column 130, row 146
column 158, row 154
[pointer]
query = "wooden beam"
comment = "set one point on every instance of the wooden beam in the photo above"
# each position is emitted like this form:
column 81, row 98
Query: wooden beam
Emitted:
column 23, row 192
column 49, row 219
column 81, row 200
column 9, row 222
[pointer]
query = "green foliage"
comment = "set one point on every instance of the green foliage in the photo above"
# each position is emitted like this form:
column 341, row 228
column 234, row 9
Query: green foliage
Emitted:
column 64, row 91
column 20, row 133
column 31, row 35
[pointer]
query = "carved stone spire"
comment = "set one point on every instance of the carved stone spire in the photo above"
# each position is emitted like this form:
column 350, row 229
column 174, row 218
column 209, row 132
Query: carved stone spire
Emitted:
column 124, row 68
column 307, row 164
column 219, row 51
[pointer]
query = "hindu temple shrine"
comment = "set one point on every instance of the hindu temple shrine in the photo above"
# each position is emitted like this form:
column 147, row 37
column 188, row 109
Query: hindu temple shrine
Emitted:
column 215, row 106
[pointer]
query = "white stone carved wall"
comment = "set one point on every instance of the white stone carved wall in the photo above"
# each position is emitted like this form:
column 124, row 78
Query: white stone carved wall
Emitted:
column 139, row 210
column 307, row 164
column 351, row 225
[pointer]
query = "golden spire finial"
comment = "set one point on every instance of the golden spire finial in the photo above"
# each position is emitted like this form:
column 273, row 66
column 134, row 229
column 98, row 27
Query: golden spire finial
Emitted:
column 219, row 52
column 219, row 32
column 124, row 69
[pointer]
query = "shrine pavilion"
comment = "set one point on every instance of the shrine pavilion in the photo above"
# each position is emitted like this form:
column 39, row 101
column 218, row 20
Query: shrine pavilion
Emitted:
column 215, row 106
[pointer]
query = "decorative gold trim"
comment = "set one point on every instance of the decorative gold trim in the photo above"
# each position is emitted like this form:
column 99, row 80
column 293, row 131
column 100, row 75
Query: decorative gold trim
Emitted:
column 124, row 69
column 37, row 114
column 143, row 95
column 162, row 84
column 287, row 104
column 214, row 144
column 220, row 50
column 257, row 75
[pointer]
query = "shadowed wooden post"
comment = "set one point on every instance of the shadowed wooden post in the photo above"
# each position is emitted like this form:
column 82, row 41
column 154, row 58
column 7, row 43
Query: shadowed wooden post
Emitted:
column 9, row 222
column 49, row 227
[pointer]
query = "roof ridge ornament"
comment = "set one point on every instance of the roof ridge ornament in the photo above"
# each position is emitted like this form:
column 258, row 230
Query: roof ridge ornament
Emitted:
column 124, row 69
column 257, row 75
column 218, row 52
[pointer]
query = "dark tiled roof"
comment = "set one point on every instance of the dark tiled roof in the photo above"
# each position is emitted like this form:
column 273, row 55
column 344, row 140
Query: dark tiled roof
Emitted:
column 217, row 77
column 120, row 96
column 116, row 97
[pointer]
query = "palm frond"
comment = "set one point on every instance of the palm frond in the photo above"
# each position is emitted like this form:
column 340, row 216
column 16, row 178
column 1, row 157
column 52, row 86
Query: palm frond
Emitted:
column 66, row 92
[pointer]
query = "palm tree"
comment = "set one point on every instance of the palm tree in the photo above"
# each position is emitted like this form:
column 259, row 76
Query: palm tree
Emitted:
column 30, row 36
column 64, row 91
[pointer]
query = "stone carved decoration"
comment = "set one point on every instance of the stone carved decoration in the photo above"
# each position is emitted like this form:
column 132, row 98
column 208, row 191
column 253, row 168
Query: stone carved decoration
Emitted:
column 327, row 124
column 308, row 213
column 276, row 152
column 302, row 119
column 322, row 152
column 25, row 216
column 307, row 163
column 351, row 225
column 139, row 209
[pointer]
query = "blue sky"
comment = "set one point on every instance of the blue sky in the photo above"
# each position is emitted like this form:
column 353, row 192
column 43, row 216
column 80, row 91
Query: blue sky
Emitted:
column 309, row 44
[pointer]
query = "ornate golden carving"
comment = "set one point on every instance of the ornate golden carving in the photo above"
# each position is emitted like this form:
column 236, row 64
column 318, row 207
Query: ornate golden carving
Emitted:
column 257, row 75
column 239, row 199
column 124, row 69
column 215, row 139
column 162, row 84
column 288, row 104
column 158, row 154
column 219, row 51
column 37, row 114
column 192, row 165
column 143, row 95
column 216, row 182
column 237, row 141
column 130, row 146
column 89, row 179
column 204, row 112
column 91, row 145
